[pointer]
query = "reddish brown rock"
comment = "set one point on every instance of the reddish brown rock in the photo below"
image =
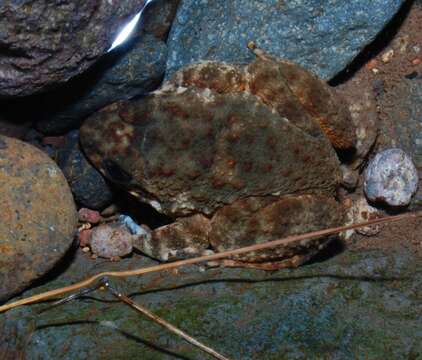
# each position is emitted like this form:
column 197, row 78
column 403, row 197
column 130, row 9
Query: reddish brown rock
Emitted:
column 110, row 241
column 38, row 216
column 88, row 215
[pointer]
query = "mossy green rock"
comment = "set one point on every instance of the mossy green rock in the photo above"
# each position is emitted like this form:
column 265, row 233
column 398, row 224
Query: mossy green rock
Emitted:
column 356, row 305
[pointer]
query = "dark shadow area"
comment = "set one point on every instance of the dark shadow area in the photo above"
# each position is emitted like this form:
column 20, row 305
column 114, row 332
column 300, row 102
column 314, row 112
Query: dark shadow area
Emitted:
column 333, row 248
column 346, row 156
column 45, row 105
column 139, row 211
column 380, row 42
column 124, row 333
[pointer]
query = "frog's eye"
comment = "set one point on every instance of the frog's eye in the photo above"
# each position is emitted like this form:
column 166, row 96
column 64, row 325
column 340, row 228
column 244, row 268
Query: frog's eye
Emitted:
column 115, row 172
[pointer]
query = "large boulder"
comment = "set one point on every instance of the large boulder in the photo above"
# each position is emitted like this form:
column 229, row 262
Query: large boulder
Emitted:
column 324, row 36
column 44, row 43
column 38, row 215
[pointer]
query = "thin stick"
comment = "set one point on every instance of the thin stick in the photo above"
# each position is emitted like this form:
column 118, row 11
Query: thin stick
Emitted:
column 217, row 256
column 163, row 322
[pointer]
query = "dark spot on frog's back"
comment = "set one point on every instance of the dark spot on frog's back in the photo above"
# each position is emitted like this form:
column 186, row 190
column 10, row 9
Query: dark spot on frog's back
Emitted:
column 115, row 172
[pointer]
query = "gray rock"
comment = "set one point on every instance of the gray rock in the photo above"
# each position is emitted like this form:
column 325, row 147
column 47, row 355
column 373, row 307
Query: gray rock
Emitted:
column 324, row 36
column 45, row 43
column 88, row 186
column 38, row 216
column 119, row 76
column 391, row 177
column 357, row 303
column 158, row 17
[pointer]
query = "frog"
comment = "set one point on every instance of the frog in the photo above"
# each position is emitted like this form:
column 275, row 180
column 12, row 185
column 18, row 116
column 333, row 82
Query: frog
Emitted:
column 234, row 154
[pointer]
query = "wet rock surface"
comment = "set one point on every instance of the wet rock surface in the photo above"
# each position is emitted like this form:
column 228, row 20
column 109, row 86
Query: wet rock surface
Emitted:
column 354, row 304
column 38, row 216
column 88, row 186
column 45, row 44
column 323, row 36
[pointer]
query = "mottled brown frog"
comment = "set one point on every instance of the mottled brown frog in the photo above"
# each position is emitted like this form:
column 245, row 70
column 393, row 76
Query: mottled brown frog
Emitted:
column 235, row 154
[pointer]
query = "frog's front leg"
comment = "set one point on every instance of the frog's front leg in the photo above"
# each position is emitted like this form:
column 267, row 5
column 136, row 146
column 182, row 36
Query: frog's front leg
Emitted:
column 186, row 237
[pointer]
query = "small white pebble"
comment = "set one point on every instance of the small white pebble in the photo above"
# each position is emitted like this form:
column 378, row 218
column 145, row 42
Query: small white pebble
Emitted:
column 387, row 56
column 391, row 178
